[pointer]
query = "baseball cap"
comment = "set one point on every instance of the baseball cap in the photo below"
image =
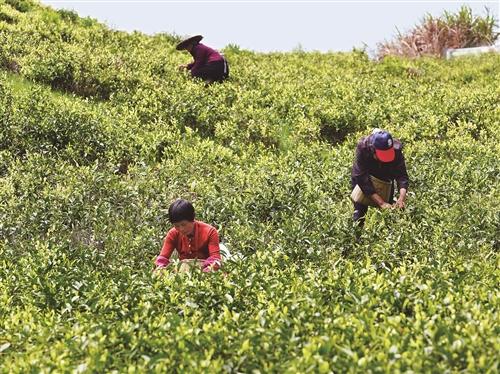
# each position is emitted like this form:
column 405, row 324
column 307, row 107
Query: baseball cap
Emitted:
column 384, row 146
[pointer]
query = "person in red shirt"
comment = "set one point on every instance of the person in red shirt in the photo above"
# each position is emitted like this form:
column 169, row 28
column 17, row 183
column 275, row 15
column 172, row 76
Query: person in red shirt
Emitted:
column 208, row 64
column 193, row 240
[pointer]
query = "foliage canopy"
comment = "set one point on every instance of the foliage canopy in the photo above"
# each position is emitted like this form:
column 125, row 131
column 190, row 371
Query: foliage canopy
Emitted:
column 100, row 132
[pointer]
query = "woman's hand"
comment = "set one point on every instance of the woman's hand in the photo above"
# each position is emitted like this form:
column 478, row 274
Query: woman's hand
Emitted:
column 211, row 264
column 380, row 202
column 400, row 204
column 161, row 262
column 401, row 200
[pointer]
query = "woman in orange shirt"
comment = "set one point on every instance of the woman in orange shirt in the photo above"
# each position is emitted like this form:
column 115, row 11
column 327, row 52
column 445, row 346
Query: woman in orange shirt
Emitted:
column 193, row 240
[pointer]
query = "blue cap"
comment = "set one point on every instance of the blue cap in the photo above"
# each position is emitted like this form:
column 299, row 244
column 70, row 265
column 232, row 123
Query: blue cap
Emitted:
column 384, row 146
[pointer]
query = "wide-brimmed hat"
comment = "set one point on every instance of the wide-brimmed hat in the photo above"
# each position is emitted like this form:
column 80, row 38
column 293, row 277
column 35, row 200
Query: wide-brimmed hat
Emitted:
column 192, row 39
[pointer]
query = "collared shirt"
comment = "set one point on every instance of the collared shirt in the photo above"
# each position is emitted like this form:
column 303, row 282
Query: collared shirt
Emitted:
column 365, row 165
column 203, row 55
column 203, row 244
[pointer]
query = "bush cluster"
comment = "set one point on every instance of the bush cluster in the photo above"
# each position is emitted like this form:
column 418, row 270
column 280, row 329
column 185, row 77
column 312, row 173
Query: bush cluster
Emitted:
column 99, row 133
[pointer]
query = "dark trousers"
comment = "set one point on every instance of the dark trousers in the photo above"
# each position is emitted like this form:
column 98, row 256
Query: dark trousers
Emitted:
column 360, row 210
column 215, row 71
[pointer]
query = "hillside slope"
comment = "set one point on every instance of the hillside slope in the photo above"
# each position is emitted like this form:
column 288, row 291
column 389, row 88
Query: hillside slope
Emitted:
column 100, row 132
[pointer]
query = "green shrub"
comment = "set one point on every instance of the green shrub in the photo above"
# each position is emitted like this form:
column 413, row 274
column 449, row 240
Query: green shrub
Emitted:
column 21, row 5
column 100, row 132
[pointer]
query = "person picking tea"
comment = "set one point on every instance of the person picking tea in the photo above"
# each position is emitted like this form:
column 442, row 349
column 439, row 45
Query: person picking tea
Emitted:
column 192, row 239
column 378, row 163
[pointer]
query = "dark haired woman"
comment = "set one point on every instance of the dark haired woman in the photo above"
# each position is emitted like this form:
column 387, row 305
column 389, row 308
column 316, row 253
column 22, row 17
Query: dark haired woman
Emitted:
column 208, row 64
column 193, row 240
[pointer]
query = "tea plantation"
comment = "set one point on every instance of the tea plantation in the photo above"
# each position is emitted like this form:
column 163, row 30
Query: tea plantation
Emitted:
column 99, row 132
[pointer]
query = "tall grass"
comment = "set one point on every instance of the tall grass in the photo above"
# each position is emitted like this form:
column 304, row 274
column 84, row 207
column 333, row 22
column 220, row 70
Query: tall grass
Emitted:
column 436, row 34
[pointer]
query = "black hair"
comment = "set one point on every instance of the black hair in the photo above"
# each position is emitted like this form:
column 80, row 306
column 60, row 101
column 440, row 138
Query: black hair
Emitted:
column 180, row 210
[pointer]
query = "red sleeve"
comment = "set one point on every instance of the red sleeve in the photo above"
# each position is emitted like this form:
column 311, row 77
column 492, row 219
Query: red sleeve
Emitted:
column 213, row 244
column 169, row 243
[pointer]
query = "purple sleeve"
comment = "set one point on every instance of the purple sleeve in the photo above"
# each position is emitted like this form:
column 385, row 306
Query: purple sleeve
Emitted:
column 366, row 185
column 402, row 179
column 201, row 53
column 361, row 175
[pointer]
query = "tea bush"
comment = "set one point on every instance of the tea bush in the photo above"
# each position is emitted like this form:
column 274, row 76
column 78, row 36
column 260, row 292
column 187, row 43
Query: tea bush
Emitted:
column 100, row 132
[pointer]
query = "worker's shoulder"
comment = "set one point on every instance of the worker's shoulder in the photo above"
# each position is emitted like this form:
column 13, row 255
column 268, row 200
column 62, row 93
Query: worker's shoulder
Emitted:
column 205, row 226
column 205, row 47
column 172, row 233
column 363, row 142
column 398, row 145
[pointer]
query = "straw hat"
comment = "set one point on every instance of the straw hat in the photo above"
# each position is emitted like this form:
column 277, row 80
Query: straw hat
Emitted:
column 192, row 39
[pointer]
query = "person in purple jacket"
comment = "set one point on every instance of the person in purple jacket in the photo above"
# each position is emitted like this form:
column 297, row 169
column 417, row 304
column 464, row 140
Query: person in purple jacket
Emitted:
column 208, row 64
column 381, row 156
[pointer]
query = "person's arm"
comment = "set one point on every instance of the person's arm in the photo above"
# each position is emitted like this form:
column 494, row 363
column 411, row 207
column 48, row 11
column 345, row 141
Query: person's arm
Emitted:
column 403, row 182
column 366, row 185
column 213, row 261
column 362, row 178
column 379, row 201
column 362, row 175
column 201, row 54
column 188, row 66
column 400, row 203
column 163, row 260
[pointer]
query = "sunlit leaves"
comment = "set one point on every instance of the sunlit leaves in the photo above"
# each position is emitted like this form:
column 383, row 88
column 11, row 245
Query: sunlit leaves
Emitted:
column 86, row 180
